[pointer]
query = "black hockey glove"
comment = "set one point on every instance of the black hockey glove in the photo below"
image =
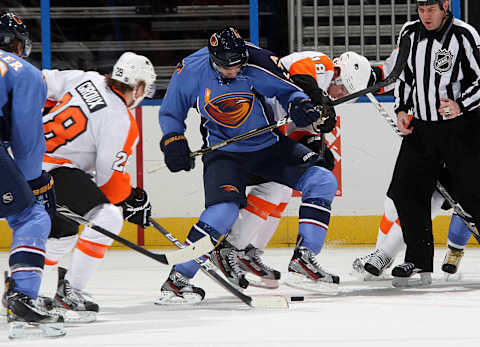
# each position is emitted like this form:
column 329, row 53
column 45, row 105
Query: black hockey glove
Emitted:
column 137, row 208
column 328, row 120
column 303, row 112
column 315, row 143
column 177, row 153
column 44, row 192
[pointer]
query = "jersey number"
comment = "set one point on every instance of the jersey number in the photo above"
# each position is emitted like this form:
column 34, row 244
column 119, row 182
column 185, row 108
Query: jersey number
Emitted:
column 65, row 126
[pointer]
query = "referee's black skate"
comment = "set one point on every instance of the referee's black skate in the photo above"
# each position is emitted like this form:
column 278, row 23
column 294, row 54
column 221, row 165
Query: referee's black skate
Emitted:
column 177, row 290
column 402, row 276
column 25, row 319
column 251, row 261
column 71, row 303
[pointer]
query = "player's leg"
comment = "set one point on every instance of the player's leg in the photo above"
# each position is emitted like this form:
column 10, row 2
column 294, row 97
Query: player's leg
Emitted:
column 296, row 167
column 78, row 192
column 255, row 226
column 224, row 183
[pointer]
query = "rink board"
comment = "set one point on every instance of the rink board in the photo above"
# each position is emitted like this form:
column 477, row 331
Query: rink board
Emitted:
column 344, row 231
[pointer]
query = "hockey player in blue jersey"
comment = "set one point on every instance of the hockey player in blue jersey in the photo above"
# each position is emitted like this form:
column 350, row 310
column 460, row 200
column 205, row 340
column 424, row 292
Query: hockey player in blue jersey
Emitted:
column 227, row 83
column 26, row 193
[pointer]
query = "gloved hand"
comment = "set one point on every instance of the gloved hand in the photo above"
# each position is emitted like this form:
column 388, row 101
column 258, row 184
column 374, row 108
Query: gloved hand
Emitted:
column 176, row 151
column 44, row 192
column 318, row 145
column 328, row 120
column 137, row 208
column 303, row 112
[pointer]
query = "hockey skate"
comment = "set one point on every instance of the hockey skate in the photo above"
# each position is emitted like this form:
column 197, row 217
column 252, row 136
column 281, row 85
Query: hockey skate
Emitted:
column 304, row 272
column 177, row 290
column 451, row 262
column 402, row 276
column 225, row 257
column 26, row 320
column 70, row 302
column 252, row 263
column 377, row 263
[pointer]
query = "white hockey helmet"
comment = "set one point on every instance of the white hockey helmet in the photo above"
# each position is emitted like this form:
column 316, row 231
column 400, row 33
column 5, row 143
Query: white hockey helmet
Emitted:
column 132, row 69
column 355, row 71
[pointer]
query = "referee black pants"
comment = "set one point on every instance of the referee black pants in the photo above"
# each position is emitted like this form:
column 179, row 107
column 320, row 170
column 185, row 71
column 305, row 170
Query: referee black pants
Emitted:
column 454, row 143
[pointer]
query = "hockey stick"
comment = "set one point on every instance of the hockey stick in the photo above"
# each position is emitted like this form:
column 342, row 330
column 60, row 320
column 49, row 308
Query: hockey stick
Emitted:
column 244, row 136
column 209, row 270
column 195, row 250
column 440, row 188
column 403, row 53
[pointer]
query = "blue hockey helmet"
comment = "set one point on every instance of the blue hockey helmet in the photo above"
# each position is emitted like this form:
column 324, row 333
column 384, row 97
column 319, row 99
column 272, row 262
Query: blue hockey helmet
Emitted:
column 11, row 28
column 227, row 48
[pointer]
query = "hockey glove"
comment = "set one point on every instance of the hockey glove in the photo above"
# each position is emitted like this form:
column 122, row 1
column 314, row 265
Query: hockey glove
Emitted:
column 44, row 193
column 177, row 153
column 315, row 143
column 136, row 208
column 303, row 112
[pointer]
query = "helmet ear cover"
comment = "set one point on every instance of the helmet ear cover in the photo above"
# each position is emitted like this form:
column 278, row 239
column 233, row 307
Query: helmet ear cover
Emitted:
column 227, row 48
column 11, row 28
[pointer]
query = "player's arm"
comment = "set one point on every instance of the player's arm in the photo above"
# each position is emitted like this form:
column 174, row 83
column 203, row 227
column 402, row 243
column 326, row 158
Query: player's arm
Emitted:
column 470, row 99
column 179, row 98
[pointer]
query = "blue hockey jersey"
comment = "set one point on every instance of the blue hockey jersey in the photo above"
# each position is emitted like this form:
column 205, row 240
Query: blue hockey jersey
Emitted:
column 229, row 107
column 22, row 97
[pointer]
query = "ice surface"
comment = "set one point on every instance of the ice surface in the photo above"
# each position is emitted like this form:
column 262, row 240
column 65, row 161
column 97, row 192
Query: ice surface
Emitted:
column 361, row 314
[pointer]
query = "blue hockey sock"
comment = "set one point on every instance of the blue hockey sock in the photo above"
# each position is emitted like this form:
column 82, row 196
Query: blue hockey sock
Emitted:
column 458, row 233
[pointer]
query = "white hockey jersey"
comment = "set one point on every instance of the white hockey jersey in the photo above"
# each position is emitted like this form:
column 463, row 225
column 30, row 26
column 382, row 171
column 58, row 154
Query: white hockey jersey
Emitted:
column 90, row 128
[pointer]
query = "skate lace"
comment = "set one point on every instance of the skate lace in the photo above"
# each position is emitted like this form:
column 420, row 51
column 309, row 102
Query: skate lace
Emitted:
column 72, row 294
column 379, row 259
column 179, row 279
column 257, row 253
column 233, row 262
column 454, row 256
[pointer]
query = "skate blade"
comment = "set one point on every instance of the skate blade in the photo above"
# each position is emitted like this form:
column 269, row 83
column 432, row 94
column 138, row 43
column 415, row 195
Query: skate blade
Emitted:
column 260, row 282
column 409, row 282
column 71, row 316
column 452, row 277
column 368, row 277
column 270, row 302
column 170, row 299
column 21, row 330
column 299, row 281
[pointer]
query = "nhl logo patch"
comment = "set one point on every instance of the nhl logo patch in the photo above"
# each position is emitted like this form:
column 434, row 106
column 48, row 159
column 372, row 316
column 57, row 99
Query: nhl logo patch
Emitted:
column 443, row 61
column 7, row 198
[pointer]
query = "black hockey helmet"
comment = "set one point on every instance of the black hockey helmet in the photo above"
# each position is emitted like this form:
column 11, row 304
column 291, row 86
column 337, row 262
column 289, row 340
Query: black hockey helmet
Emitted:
column 430, row 2
column 11, row 28
column 227, row 48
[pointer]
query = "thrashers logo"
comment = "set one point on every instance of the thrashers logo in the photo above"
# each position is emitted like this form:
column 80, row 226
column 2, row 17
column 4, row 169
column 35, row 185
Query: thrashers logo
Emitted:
column 229, row 110
column 229, row 188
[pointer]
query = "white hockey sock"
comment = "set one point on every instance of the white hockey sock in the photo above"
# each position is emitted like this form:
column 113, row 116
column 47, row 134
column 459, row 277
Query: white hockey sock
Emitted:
column 263, row 237
column 393, row 243
column 82, row 269
column 55, row 249
column 245, row 228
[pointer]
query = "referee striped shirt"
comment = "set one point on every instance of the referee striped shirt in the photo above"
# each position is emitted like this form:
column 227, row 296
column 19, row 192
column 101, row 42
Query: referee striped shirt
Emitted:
column 443, row 64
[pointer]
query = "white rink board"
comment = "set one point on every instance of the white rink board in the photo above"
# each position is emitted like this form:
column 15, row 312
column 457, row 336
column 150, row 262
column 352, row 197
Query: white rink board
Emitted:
column 369, row 149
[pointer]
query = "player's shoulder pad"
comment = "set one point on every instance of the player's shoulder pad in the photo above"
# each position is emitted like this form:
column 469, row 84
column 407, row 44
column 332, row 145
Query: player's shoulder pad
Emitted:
column 264, row 59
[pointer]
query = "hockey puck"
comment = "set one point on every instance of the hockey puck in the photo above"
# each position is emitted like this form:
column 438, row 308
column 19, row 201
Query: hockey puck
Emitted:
column 297, row 298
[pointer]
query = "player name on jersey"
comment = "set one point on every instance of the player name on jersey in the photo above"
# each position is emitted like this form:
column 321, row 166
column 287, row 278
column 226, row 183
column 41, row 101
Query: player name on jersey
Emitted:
column 91, row 96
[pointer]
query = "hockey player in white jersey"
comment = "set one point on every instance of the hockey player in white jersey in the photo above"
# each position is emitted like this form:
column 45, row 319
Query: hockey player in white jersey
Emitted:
column 256, row 224
column 90, row 132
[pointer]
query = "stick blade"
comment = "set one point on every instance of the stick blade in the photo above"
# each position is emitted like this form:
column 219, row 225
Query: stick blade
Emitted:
column 269, row 301
column 193, row 251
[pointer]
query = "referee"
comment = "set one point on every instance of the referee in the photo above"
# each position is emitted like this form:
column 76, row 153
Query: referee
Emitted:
column 441, row 84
